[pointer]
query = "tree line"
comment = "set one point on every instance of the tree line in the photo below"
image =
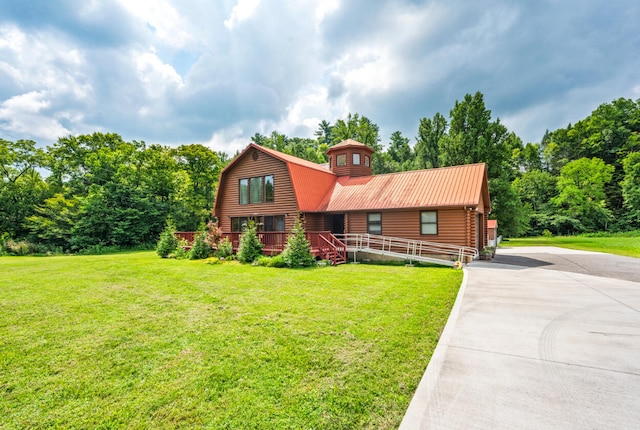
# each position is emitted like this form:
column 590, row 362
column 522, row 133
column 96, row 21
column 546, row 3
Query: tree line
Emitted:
column 98, row 190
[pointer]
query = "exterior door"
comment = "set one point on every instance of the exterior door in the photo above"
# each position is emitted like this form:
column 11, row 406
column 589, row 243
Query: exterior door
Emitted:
column 337, row 224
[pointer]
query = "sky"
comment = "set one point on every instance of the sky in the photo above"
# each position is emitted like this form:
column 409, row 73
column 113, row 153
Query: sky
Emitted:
column 216, row 72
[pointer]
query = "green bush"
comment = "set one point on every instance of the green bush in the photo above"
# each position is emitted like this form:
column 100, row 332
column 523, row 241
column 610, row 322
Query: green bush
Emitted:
column 547, row 233
column 181, row 251
column 263, row 261
column 212, row 260
column 200, row 249
column 225, row 248
column 250, row 247
column 298, row 250
column 168, row 242
column 277, row 261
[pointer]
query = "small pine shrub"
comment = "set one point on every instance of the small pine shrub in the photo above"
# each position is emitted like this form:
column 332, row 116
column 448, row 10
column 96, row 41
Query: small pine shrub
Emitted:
column 200, row 249
column 225, row 248
column 546, row 233
column 298, row 250
column 168, row 242
column 250, row 247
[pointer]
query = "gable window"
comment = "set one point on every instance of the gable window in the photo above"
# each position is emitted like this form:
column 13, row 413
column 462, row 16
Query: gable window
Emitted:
column 268, row 189
column 428, row 222
column 341, row 160
column 374, row 223
column 255, row 190
column 366, row 160
column 244, row 191
column 356, row 159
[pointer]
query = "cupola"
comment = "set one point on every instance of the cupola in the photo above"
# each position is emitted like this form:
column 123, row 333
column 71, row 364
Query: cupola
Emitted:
column 350, row 158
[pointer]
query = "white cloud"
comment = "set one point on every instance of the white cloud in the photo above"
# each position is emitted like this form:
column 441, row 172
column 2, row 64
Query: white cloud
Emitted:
column 167, row 23
column 242, row 11
column 23, row 114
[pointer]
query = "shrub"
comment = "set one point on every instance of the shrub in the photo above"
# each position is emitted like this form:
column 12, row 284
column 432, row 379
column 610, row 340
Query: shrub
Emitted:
column 200, row 249
column 263, row 260
column 225, row 248
column 181, row 251
column 250, row 246
column 547, row 233
column 298, row 250
column 168, row 242
column 277, row 261
column 212, row 260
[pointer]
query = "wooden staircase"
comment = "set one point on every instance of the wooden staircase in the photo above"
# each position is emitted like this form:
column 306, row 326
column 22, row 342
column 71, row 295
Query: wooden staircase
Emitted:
column 332, row 249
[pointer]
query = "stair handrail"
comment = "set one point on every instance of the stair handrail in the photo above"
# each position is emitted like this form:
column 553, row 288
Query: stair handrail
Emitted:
column 342, row 249
column 412, row 247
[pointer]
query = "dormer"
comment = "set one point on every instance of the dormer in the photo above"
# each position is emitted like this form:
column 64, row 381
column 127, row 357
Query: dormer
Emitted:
column 350, row 158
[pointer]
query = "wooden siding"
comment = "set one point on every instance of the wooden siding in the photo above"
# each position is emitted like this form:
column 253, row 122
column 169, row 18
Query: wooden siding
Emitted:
column 284, row 198
column 314, row 222
column 452, row 226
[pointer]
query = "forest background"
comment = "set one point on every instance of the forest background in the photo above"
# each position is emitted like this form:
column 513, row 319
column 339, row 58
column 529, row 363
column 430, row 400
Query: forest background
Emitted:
column 93, row 191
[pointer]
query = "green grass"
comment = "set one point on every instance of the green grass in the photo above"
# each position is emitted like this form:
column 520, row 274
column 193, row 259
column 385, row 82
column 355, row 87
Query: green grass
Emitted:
column 627, row 244
column 132, row 340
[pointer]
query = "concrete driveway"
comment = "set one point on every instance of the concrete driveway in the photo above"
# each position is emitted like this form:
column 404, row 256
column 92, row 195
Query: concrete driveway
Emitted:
column 539, row 338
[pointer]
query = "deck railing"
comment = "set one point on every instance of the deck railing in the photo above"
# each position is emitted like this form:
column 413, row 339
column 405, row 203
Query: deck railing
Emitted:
column 408, row 247
column 323, row 244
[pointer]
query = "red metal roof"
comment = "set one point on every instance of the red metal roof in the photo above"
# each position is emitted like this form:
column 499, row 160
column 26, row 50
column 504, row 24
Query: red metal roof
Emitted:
column 443, row 187
column 492, row 223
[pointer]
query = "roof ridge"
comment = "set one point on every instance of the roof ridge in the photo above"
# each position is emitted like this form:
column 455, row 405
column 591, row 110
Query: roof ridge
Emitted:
column 288, row 158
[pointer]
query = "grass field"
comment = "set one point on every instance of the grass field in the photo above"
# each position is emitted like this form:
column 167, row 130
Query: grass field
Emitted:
column 131, row 340
column 623, row 244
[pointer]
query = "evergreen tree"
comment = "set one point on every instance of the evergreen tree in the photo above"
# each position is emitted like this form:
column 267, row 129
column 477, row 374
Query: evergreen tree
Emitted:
column 298, row 250
column 250, row 247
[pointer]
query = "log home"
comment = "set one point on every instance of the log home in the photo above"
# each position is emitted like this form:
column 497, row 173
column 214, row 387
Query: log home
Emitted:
column 445, row 205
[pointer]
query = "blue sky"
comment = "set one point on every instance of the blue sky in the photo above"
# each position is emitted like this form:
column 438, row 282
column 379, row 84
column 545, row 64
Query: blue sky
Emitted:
column 217, row 72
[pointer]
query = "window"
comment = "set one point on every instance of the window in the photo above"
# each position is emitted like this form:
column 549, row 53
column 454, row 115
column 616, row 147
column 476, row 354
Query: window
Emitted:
column 341, row 160
column 374, row 223
column 263, row 223
column 429, row 222
column 356, row 159
column 255, row 190
column 238, row 224
column 268, row 189
column 244, row 192
column 273, row 223
column 366, row 160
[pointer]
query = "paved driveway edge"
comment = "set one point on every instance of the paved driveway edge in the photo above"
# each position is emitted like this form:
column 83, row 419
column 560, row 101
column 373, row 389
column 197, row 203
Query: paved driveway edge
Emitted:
column 416, row 413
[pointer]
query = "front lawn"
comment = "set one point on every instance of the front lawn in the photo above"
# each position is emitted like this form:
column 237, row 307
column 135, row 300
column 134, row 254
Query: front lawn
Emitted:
column 627, row 244
column 132, row 340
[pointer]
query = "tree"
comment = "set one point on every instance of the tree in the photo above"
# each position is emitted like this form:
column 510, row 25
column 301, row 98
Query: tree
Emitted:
column 400, row 152
column 53, row 222
column 359, row 128
column 631, row 188
column 297, row 253
column 430, row 132
column 250, row 247
column 116, row 215
column 168, row 242
column 202, row 167
column 582, row 196
column 21, row 186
